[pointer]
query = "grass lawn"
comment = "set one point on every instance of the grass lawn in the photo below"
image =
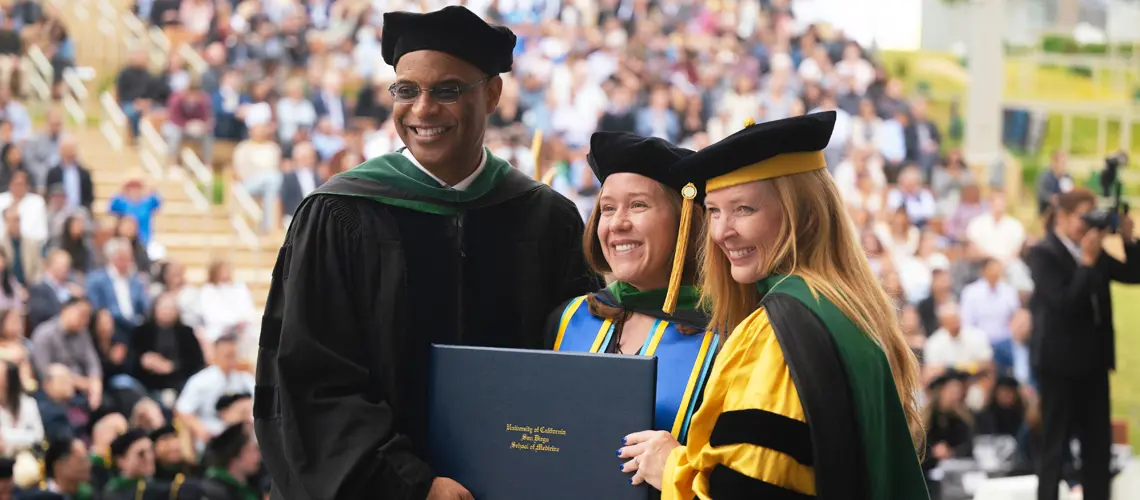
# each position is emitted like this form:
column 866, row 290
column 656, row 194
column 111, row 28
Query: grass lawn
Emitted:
column 1126, row 380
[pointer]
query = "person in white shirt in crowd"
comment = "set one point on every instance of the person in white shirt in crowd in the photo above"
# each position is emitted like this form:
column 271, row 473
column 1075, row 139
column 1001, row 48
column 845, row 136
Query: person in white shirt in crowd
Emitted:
column 910, row 193
column 257, row 166
column 21, row 427
column 118, row 287
column 196, row 407
column 25, row 256
column 294, row 112
column 226, row 304
column 860, row 162
column 31, row 206
column 955, row 345
column 997, row 233
column 16, row 114
column 989, row 303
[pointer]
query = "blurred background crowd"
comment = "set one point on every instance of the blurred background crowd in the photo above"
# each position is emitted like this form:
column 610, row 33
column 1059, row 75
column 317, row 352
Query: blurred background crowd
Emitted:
column 100, row 332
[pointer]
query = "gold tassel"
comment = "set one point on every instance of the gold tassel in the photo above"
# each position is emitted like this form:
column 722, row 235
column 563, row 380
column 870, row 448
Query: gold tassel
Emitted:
column 140, row 489
column 548, row 177
column 689, row 193
column 536, row 150
column 43, row 474
column 748, row 122
column 178, row 479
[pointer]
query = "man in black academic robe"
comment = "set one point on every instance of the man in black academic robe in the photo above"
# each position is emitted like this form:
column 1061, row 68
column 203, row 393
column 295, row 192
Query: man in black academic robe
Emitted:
column 441, row 242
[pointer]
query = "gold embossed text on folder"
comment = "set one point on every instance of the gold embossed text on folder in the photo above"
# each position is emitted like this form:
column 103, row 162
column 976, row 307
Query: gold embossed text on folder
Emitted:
column 530, row 438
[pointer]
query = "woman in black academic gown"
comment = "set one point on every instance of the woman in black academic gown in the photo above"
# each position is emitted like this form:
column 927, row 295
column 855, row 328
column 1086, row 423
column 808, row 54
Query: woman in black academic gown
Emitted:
column 949, row 425
column 638, row 234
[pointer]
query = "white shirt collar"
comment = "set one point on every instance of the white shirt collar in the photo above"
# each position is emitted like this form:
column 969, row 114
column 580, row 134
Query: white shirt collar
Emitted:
column 462, row 185
column 1073, row 248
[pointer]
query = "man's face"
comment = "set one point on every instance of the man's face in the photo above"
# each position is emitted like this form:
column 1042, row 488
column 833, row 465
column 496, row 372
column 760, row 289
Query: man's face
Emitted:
column 139, row 459
column 225, row 355
column 167, row 449
column 443, row 134
column 77, row 465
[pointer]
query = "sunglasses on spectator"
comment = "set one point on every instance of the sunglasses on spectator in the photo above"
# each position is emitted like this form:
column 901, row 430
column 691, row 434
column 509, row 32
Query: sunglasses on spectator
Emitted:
column 405, row 93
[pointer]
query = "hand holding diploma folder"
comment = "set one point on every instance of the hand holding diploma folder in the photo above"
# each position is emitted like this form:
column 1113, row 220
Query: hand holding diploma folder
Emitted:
column 512, row 424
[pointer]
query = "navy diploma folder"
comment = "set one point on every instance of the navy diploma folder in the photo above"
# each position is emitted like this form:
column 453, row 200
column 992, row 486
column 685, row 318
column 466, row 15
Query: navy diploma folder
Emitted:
column 513, row 424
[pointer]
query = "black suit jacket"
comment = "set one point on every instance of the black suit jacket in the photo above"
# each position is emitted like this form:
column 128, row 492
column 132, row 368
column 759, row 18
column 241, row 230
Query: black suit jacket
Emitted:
column 1073, row 334
column 291, row 193
column 43, row 304
column 86, row 188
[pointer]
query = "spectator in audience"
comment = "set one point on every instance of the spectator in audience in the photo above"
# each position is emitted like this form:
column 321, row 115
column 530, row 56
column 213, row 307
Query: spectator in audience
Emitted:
column 121, row 390
column 1005, row 413
column 996, row 233
column 257, row 166
column 941, row 292
column 56, row 403
column 169, row 459
column 147, row 415
column 232, row 463
column 923, row 140
column 172, row 279
column 133, row 202
column 22, row 256
column 127, row 228
column 913, row 197
column 227, row 306
column 133, row 455
column 989, row 303
column 897, row 234
column 227, row 101
column 65, row 340
column 1011, row 356
column 955, row 346
column 301, row 180
column 1053, row 181
column 294, row 112
column 968, row 208
column 191, row 116
column 67, row 467
column 118, row 287
column 329, row 102
column 132, row 88
column 58, row 213
column 16, row 114
column 196, row 407
column 21, row 427
column 43, row 150
column 31, row 207
column 74, row 242
column 15, row 347
column 12, row 294
column 235, row 409
column 169, row 351
column 74, row 177
column 949, row 424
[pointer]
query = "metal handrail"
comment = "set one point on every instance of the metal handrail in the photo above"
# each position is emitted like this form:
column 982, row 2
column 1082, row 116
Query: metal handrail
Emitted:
column 152, row 138
column 246, row 203
column 74, row 84
column 112, row 109
column 35, row 78
column 43, row 65
column 193, row 59
column 71, row 105
column 194, row 164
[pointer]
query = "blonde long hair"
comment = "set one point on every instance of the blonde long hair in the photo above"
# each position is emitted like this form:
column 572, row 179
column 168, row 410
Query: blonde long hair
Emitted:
column 817, row 243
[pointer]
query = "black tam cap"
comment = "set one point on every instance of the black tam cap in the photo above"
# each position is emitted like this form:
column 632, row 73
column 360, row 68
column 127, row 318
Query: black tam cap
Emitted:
column 166, row 430
column 229, row 399
column 761, row 151
column 122, row 443
column 948, row 376
column 57, row 448
column 453, row 30
column 227, row 445
column 622, row 152
column 6, row 466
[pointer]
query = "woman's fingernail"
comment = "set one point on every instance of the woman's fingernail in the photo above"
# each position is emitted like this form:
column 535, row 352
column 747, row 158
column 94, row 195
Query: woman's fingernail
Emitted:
column 621, row 467
column 619, row 453
column 631, row 480
column 623, row 441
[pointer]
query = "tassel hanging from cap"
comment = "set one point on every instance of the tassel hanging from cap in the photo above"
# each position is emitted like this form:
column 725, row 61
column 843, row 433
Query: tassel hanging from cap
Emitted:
column 43, row 474
column 688, row 193
column 750, row 121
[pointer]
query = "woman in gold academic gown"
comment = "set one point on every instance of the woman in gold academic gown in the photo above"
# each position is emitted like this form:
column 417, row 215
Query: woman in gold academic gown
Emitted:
column 814, row 393
column 638, row 234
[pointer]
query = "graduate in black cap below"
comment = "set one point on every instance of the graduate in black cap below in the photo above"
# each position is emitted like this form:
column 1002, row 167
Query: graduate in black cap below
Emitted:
column 66, row 471
column 132, row 457
column 169, row 459
column 642, row 233
column 814, row 391
column 440, row 242
column 232, row 460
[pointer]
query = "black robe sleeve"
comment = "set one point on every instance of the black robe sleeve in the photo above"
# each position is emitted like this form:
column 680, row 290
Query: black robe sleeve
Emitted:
column 323, row 421
column 575, row 277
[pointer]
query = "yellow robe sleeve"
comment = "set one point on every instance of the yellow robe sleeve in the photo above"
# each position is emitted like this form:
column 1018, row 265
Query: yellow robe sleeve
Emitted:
column 750, row 435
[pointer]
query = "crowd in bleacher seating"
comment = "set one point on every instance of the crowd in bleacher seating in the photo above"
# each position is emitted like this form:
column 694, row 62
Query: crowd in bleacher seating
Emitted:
column 294, row 92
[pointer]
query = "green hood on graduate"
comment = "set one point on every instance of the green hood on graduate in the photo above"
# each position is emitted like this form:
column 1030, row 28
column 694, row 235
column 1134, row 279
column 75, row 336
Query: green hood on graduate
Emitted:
column 394, row 180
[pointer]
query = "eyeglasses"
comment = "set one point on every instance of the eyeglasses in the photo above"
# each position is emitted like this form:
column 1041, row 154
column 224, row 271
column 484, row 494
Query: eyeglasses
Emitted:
column 405, row 93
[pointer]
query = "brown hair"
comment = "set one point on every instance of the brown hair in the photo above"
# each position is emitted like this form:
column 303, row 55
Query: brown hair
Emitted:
column 1068, row 203
column 816, row 241
column 592, row 246
column 214, row 268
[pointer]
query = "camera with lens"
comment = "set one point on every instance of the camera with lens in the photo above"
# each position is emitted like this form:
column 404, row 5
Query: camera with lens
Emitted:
column 1110, row 187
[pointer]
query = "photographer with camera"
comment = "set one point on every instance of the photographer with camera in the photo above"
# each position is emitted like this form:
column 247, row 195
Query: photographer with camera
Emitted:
column 1072, row 347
